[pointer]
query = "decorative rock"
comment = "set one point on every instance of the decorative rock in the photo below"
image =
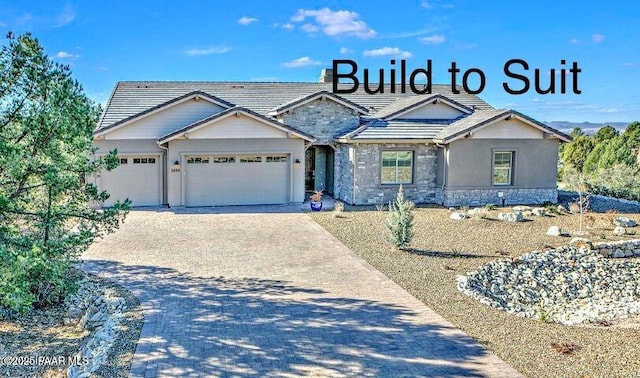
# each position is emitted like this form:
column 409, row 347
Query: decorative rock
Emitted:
column 581, row 242
column 457, row 216
column 624, row 222
column 561, row 209
column 554, row 231
column 521, row 208
column 619, row 231
column 569, row 285
column 539, row 211
column 452, row 209
column 511, row 217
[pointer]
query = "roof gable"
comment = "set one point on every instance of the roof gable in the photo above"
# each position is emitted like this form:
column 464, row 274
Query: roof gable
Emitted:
column 483, row 119
column 177, row 101
column 287, row 106
column 233, row 112
column 402, row 108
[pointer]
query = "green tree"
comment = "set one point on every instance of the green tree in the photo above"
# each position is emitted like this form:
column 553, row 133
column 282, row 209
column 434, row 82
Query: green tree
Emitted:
column 400, row 220
column 576, row 152
column 46, row 220
column 605, row 133
column 576, row 132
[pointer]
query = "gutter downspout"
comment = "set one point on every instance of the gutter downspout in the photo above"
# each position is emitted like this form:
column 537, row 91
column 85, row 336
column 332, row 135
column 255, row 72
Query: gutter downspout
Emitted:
column 165, row 176
column 445, row 169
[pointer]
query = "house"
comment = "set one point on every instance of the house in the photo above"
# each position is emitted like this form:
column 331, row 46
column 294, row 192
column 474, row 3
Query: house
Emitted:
column 227, row 143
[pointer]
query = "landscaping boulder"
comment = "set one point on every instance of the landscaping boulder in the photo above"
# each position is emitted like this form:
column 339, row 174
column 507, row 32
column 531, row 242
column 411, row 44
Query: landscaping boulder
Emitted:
column 539, row 211
column 624, row 222
column 521, row 208
column 561, row 209
column 457, row 216
column 619, row 231
column 554, row 231
column 515, row 216
column 581, row 242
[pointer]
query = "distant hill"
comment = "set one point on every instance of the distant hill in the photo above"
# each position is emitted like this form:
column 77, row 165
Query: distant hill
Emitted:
column 588, row 127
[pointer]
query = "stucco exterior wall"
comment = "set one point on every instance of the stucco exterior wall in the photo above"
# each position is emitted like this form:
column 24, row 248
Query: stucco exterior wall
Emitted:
column 470, row 163
column 179, row 148
column 324, row 119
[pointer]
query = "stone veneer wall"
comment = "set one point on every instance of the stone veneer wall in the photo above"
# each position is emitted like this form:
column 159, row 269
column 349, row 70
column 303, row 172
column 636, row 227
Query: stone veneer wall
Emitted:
column 324, row 119
column 366, row 187
column 343, row 174
column 619, row 249
column 479, row 197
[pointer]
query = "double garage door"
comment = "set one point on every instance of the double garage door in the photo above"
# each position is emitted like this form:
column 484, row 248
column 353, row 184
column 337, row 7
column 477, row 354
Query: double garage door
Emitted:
column 216, row 180
column 137, row 178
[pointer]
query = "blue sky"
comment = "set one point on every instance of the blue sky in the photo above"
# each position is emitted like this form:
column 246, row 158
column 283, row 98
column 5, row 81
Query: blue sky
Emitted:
column 292, row 40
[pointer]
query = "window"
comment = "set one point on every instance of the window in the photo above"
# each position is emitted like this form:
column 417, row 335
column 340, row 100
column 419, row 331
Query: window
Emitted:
column 503, row 167
column 276, row 159
column 397, row 167
column 224, row 159
column 251, row 159
column 141, row 161
column 124, row 160
column 198, row 160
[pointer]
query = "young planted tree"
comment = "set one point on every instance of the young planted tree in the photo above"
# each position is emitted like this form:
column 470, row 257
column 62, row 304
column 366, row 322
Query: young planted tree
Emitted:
column 46, row 151
column 400, row 220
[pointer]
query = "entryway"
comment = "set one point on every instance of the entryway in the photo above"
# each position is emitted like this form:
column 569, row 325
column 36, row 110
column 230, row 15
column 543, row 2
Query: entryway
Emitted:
column 319, row 163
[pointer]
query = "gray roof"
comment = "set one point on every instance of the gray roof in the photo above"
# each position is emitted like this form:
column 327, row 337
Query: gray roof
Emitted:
column 132, row 98
column 300, row 100
column 398, row 129
column 404, row 104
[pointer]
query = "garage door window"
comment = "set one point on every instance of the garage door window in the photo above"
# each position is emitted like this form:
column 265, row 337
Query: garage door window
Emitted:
column 144, row 160
column 224, row 159
column 276, row 159
column 198, row 160
column 251, row 159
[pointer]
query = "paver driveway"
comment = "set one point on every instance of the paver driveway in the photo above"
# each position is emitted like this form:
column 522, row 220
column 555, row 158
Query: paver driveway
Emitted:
column 253, row 293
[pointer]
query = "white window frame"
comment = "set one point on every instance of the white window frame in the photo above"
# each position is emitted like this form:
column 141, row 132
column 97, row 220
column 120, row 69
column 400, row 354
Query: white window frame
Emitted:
column 510, row 168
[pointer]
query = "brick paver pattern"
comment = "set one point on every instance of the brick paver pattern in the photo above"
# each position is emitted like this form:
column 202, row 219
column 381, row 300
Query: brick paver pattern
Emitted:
column 266, row 291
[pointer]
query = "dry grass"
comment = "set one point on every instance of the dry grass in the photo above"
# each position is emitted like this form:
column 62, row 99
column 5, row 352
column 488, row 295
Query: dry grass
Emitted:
column 43, row 333
column 444, row 248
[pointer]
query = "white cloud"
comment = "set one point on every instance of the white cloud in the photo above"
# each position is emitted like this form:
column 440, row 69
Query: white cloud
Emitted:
column 336, row 23
column 244, row 20
column 388, row 51
column 207, row 51
column 309, row 28
column 433, row 39
column 66, row 17
column 305, row 61
column 574, row 41
column 426, row 5
column 66, row 55
column 288, row 26
column 597, row 38
column 345, row 50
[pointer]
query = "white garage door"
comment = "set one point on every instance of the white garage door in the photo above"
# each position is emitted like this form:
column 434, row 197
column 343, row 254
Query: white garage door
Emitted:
column 236, row 180
column 136, row 178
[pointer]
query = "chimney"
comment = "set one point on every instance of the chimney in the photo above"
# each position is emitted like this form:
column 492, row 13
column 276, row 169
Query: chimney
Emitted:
column 326, row 75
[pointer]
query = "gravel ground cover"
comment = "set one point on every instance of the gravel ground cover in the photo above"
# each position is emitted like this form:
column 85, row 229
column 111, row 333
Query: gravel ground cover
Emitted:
column 444, row 248
column 45, row 333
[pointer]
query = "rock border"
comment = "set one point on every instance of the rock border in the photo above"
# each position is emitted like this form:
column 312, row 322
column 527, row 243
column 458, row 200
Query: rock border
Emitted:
column 571, row 285
column 113, row 316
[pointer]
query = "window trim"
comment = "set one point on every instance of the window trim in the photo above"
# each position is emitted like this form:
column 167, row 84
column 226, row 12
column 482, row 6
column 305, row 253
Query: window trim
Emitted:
column 397, row 150
column 512, row 153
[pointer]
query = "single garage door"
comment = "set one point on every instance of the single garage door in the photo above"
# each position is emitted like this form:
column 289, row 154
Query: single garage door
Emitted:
column 236, row 179
column 136, row 178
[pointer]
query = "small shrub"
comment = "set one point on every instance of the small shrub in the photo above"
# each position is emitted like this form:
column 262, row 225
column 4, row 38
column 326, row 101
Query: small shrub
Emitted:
column 456, row 252
column 338, row 210
column 551, row 208
column 400, row 220
column 574, row 208
column 543, row 314
column 380, row 205
column 480, row 214
column 464, row 207
column 489, row 206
